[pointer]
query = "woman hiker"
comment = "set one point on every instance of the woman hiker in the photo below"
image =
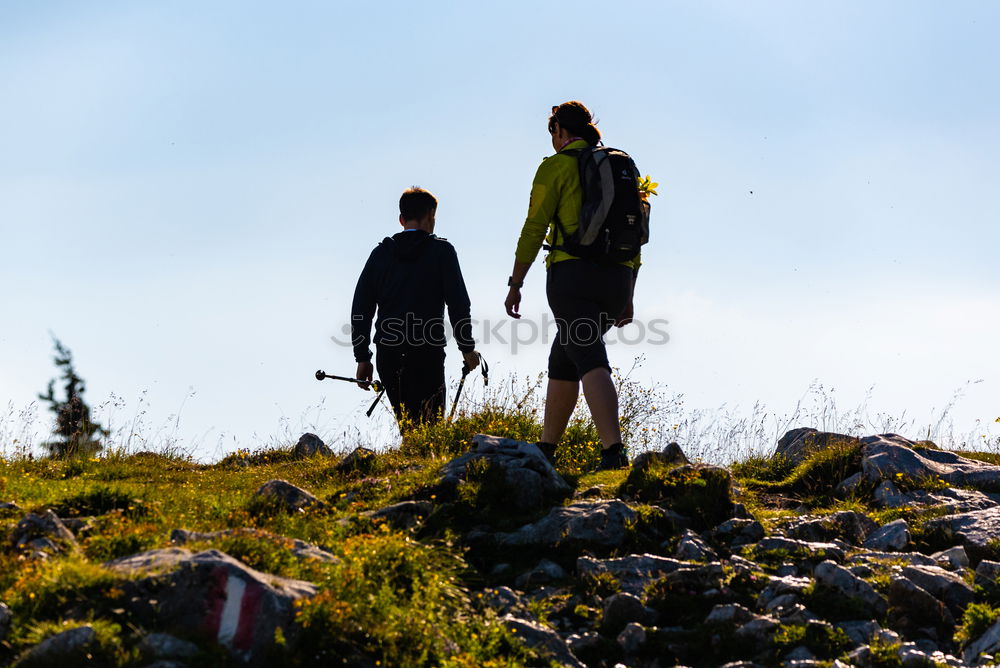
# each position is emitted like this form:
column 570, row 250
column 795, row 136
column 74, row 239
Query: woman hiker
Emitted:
column 586, row 297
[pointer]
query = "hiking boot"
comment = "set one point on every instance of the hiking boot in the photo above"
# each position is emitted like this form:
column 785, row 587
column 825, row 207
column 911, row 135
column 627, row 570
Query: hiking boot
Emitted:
column 613, row 458
column 549, row 450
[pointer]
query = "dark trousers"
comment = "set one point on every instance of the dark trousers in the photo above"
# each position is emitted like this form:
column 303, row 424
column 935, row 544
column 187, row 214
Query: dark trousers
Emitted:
column 414, row 382
column 586, row 298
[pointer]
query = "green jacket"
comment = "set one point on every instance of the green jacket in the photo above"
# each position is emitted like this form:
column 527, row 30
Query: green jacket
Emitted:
column 555, row 190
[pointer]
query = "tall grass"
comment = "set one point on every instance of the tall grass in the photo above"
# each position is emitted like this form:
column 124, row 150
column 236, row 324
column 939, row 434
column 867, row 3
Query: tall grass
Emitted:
column 652, row 415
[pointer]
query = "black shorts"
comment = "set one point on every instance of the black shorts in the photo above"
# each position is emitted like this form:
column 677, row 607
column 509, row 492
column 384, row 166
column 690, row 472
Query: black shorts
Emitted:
column 586, row 299
column 414, row 381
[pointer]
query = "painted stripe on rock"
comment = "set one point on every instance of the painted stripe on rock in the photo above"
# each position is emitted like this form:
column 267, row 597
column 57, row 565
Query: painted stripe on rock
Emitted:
column 249, row 608
column 230, row 621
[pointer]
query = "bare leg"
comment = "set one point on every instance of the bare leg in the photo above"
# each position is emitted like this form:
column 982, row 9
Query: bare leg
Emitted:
column 602, row 398
column 560, row 400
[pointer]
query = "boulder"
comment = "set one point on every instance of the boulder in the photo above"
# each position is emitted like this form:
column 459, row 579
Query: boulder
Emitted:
column 692, row 548
column 799, row 549
column 42, row 534
column 596, row 525
column 301, row 549
column 544, row 572
column 829, row 574
column 69, row 648
column 988, row 643
column 973, row 530
column 286, row 495
column 672, row 455
column 516, row 471
column 888, row 455
column 543, row 639
column 913, row 611
column 166, row 646
column 954, row 558
column 619, row 610
column 359, row 460
column 211, row 595
column 797, row 444
column 873, row 557
column 402, row 515
column 988, row 578
column 891, row 537
column 311, row 445
column 847, row 525
column 698, row 491
column 782, row 586
column 632, row 572
column 735, row 533
column 946, row 586
column 5, row 619
column 729, row 614
column 632, row 638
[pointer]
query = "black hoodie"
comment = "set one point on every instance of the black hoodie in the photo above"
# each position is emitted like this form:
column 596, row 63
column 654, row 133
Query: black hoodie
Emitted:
column 410, row 277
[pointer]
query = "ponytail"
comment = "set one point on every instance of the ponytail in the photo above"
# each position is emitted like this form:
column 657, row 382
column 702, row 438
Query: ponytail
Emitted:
column 577, row 120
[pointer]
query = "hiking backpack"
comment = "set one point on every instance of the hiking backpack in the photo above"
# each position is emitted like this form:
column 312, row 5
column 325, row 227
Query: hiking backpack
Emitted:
column 614, row 219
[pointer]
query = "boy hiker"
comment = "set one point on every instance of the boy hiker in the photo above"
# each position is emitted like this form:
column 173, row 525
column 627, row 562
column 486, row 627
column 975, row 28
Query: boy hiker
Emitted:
column 409, row 278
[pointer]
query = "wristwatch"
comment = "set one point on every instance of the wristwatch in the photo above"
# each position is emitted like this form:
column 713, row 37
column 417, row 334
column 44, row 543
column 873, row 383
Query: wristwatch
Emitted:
column 511, row 283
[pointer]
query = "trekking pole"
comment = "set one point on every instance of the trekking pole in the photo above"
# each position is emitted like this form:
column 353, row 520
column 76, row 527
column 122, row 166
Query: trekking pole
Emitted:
column 375, row 385
column 465, row 372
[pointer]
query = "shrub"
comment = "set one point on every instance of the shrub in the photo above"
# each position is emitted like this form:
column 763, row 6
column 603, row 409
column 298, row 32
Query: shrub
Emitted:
column 398, row 602
column 976, row 620
column 100, row 501
column 695, row 491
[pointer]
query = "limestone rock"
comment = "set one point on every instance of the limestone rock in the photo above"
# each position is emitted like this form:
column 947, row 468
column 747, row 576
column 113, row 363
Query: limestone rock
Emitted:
column 544, row 572
column 594, row 525
column 954, row 558
column 360, row 460
column 946, row 586
column 912, row 609
column 698, row 491
column 672, row 455
column 543, row 639
column 692, row 548
column 632, row 638
column 5, row 620
column 887, row 455
column 843, row 581
column 287, row 495
column 519, row 470
column 210, row 593
column 988, row 643
column 620, row 610
column 974, row 530
column 166, row 646
column 402, row 515
column 988, row 577
column 800, row 548
column 69, row 648
column 736, row 533
column 847, row 525
column 42, row 532
column 633, row 572
column 797, row 444
column 894, row 536
column 311, row 445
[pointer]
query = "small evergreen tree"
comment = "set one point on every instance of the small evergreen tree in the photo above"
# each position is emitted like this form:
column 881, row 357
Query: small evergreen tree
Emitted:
column 78, row 432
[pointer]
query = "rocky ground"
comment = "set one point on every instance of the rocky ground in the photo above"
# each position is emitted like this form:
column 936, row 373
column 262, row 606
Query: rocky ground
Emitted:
column 835, row 551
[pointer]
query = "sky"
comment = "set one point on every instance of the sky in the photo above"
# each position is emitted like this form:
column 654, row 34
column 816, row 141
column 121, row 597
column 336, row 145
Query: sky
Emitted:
column 189, row 190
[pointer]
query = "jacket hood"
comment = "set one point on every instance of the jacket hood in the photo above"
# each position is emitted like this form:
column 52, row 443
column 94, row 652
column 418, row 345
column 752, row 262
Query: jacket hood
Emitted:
column 407, row 245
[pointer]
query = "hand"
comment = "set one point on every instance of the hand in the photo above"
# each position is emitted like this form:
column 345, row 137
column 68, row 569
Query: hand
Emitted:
column 365, row 372
column 513, row 302
column 471, row 359
column 626, row 315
